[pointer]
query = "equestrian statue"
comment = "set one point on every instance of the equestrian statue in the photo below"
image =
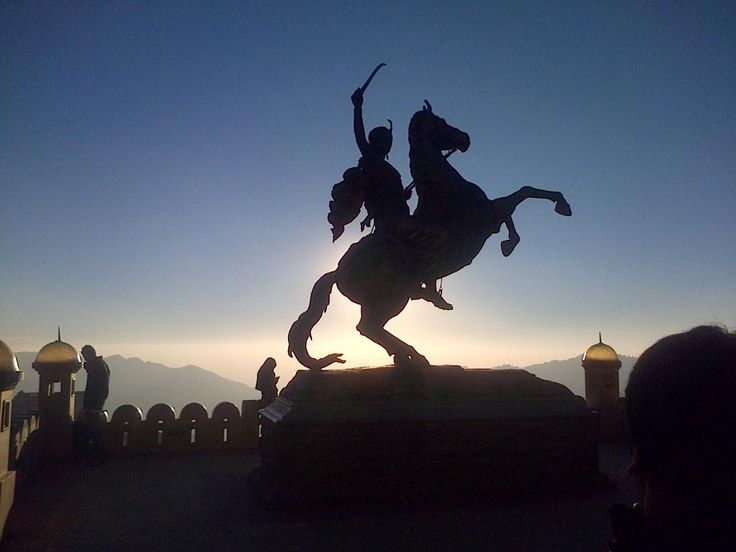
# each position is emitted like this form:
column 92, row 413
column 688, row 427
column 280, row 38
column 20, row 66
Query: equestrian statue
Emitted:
column 405, row 254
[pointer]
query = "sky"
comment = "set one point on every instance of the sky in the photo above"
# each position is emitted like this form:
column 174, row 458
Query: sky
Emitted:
column 165, row 169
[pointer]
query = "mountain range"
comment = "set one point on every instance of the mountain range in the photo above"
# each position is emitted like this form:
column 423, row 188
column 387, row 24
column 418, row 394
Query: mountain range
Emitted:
column 143, row 384
column 570, row 372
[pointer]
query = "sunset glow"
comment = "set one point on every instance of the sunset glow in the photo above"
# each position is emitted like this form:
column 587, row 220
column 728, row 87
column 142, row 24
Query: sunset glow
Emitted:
column 164, row 194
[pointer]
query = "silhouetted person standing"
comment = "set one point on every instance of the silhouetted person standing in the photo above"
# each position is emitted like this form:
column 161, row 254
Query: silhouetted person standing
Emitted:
column 680, row 409
column 98, row 379
column 93, row 417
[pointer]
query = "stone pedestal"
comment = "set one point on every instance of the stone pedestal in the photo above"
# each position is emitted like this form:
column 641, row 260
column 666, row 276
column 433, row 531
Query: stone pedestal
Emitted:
column 439, row 432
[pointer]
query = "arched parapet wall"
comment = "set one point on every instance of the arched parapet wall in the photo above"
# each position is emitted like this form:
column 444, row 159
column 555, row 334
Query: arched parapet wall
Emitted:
column 122, row 433
column 126, row 414
column 194, row 411
column 194, row 430
column 225, row 410
column 226, row 427
column 161, row 412
column 128, row 433
column 157, row 433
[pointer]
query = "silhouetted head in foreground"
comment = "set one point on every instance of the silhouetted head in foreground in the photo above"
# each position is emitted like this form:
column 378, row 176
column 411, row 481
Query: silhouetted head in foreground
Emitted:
column 679, row 405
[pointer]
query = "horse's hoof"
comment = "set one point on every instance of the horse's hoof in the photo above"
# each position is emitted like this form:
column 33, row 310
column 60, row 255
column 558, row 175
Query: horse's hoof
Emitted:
column 335, row 357
column 507, row 247
column 410, row 361
column 402, row 361
column 562, row 207
column 419, row 360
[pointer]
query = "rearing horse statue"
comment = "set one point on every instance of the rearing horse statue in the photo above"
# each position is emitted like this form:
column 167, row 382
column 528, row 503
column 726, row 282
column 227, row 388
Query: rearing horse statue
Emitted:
column 452, row 221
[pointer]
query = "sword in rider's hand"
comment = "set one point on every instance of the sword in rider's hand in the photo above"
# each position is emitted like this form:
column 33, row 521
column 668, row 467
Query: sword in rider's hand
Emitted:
column 413, row 183
column 373, row 74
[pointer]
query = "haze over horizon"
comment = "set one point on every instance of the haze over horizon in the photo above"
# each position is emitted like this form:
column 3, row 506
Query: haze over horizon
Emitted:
column 165, row 171
column 144, row 383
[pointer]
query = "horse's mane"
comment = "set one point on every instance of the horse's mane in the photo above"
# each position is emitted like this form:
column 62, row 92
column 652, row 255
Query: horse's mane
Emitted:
column 417, row 135
column 416, row 120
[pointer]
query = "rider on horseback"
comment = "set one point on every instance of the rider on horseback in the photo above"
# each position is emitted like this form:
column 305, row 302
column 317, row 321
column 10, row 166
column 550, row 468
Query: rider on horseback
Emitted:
column 384, row 196
column 383, row 271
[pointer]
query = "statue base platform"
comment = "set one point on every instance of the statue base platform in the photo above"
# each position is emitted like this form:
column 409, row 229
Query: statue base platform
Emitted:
column 386, row 434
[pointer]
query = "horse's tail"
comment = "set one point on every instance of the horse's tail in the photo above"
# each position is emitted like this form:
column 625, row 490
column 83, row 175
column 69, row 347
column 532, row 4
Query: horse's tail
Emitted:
column 302, row 328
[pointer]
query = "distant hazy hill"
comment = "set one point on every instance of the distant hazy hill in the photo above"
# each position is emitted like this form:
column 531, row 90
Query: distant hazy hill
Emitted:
column 144, row 384
column 134, row 381
column 570, row 372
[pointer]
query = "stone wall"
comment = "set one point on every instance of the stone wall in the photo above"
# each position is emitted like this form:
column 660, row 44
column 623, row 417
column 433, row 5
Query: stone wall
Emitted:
column 128, row 433
column 194, row 430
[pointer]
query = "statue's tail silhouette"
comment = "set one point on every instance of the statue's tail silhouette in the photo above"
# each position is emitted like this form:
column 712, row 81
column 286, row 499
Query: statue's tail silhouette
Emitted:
column 301, row 330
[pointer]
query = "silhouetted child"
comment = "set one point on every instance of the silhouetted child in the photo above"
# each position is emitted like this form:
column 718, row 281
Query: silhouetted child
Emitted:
column 266, row 381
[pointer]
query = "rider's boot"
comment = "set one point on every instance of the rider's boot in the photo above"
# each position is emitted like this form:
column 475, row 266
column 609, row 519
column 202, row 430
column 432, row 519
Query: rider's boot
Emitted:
column 430, row 293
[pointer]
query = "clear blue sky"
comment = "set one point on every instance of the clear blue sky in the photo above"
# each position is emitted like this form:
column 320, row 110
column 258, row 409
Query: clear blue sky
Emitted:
column 165, row 169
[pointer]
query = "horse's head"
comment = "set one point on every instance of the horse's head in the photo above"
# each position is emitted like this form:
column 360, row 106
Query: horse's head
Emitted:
column 428, row 129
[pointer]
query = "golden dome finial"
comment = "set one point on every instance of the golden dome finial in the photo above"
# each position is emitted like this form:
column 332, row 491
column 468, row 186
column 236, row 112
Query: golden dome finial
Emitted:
column 57, row 352
column 600, row 352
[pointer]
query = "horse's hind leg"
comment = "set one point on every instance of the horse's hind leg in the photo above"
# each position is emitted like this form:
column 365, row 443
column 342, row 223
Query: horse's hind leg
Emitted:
column 371, row 325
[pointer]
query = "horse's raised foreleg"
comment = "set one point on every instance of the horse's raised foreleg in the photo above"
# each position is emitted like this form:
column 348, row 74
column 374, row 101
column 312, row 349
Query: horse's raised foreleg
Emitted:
column 507, row 246
column 371, row 325
column 510, row 202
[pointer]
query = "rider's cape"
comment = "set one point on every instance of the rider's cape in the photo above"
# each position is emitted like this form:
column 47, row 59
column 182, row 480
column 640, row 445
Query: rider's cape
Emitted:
column 347, row 200
column 422, row 245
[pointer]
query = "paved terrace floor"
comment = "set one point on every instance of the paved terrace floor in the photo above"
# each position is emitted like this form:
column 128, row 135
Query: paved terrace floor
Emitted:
column 202, row 502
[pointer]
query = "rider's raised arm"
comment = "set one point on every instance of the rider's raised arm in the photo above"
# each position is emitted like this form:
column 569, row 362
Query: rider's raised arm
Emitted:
column 358, row 127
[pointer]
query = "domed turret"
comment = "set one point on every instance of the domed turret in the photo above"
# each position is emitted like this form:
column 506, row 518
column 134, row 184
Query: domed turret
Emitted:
column 57, row 352
column 57, row 364
column 10, row 374
column 600, row 353
column 57, row 355
column 601, row 364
